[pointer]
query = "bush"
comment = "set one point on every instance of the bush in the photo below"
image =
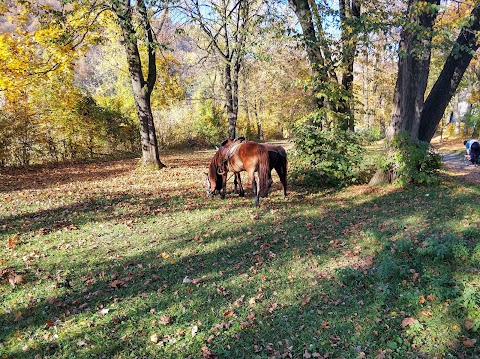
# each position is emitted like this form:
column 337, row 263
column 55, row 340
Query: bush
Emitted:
column 414, row 162
column 329, row 158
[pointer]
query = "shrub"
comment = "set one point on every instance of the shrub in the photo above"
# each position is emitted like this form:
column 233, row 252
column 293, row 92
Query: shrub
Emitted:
column 332, row 158
column 414, row 162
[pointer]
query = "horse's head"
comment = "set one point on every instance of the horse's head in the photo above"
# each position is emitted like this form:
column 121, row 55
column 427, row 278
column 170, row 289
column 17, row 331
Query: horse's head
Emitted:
column 214, row 175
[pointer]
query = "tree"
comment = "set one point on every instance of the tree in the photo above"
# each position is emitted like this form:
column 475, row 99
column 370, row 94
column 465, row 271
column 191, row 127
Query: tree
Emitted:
column 411, row 112
column 226, row 24
column 72, row 25
column 332, row 84
column 142, row 87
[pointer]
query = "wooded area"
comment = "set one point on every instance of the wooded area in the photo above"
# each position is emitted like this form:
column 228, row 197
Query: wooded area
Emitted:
column 83, row 79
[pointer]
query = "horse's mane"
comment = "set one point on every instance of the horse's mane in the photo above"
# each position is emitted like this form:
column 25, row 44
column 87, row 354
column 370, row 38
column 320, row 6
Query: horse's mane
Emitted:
column 215, row 164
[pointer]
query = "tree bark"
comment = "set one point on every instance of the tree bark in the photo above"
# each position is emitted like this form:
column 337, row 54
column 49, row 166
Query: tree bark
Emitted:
column 142, row 88
column 413, row 70
column 450, row 76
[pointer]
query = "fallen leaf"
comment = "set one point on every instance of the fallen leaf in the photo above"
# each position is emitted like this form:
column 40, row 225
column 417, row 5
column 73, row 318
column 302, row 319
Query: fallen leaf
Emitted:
column 117, row 283
column 194, row 330
column 273, row 307
column 228, row 313
column 468, row 325
column 421, row 300
column 408, row 321
column 154, row 338
column 104, row 311
column 12, row 242
column 325, row 324
column 427, row 313
column 49, row 323
column 165, row 255
column 165, row 319
column 469, row 343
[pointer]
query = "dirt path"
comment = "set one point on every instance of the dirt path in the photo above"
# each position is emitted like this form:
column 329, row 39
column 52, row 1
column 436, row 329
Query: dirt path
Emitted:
column 452, row 151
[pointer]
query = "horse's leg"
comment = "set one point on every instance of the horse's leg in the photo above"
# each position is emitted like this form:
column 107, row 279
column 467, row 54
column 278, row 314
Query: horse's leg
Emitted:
column 224, row 186
column 235, row 183
column 270, row 181
column 283, row 178
column 254, row 188
column 240, row 186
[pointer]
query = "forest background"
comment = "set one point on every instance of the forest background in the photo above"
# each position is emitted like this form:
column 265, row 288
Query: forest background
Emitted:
column 66, row 85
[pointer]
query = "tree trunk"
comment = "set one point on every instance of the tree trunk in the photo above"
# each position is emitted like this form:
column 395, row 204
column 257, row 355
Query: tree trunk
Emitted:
column 449, row 79
column 142, row 88
column 229, row 102
column 413, row 70
column 411, row 113
column 456, row 114
column 349, row 13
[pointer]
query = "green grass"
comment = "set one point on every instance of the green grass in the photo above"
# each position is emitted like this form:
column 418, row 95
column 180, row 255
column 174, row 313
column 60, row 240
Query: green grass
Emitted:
column 119, row 263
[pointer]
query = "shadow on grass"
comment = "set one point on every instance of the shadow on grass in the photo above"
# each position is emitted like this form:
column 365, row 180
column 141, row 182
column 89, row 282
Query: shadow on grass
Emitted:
column 314, row 275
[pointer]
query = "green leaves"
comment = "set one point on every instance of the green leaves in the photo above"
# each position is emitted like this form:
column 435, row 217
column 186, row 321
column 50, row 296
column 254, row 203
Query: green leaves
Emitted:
column 327, row 157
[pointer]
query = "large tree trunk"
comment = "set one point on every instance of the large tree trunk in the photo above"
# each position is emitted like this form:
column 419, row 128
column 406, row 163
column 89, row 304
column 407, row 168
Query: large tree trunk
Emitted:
column 411, row 113
column 142, row 88
column 413, row 70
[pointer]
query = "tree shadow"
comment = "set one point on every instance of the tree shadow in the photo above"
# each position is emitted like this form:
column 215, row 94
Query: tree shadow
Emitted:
column 17, row 179
column 289, row 284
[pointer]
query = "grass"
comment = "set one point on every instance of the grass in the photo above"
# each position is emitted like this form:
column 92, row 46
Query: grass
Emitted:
column 111, row 262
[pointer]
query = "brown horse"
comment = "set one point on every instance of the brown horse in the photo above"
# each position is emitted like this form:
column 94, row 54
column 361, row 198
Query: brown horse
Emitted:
column 237, row 156
column 277, row 159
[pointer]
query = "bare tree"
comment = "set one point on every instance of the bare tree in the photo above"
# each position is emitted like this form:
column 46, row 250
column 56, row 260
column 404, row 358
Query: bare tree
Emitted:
column 226, row 24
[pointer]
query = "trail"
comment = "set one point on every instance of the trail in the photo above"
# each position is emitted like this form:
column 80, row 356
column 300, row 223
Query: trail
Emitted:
column 456, row 168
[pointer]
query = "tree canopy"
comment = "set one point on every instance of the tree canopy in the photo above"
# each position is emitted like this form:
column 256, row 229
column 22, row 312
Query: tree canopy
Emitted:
column 194, row 73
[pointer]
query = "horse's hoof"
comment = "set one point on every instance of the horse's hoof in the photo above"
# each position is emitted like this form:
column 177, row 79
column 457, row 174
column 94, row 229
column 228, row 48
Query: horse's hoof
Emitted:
column 241, row 194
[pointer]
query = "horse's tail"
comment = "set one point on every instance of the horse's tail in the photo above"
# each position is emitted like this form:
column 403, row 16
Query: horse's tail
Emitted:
column 263, row 170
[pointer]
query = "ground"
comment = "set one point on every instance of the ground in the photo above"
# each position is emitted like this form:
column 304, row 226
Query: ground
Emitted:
column 104, row 260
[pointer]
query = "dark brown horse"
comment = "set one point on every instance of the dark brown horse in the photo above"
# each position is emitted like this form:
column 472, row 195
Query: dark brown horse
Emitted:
column 236, row 156
column 277, row 157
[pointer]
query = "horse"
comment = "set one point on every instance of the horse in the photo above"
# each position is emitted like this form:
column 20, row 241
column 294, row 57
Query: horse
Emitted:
column 236, row 156
column 277, row 159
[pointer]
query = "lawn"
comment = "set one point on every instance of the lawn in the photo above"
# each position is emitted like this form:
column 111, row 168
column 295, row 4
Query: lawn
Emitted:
column 103, row 260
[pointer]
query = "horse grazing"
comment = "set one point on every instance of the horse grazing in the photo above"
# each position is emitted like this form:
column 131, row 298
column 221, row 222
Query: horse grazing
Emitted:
column 236, row 156
column 277, row 159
